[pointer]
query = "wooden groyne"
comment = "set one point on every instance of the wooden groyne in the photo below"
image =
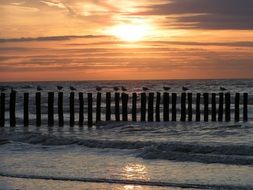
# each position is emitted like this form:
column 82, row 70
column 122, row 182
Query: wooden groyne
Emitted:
column 144, row 107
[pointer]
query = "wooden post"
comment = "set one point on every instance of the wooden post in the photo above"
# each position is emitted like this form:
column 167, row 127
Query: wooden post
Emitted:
column 134, row 107
column 198, row 96
column 50, row 109
column 81, row 107
column 143, row 107
column 38, row 108
column 213, row 106
column 26, row 109
column 157, row 107
column 124, row 106
column 227, row 107
column 174, row 107
column 189, row 106
column 245, row 107
column 166, row 102
column 206, row 106
column 183, row 107
column 60, row 109
column 108, row 106
column 151, row 107
column 221, row 109
column 117, row 106
column 72, row 109
column 13, row 109
column 98, row 107
column 2, row 110
column 90, row 120
column 237, row 107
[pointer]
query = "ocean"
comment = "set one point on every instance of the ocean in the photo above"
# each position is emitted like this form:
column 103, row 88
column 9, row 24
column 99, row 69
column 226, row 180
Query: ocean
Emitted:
column 127, row 155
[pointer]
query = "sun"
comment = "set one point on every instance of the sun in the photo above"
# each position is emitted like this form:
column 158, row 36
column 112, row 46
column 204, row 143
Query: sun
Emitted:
column 131, row 32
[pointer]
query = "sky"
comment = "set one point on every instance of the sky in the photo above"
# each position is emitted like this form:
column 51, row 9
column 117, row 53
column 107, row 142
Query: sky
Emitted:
column 44, row 40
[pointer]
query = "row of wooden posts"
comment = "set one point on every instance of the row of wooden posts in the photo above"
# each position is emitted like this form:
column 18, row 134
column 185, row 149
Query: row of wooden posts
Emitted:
column 147, row 110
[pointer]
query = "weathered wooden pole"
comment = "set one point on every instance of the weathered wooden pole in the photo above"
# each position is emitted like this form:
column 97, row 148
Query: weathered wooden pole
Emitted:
column 108, row 106
column 214, row 107
column 206, row 106
column 2, row 110
column 143, row 107
column 151, row 107
column 183, row 107
column 134, row 107
column 38, row 108
column 198, row 96
column 174, row 107
column 157, row 107
column 166, row 102
column 90, row 110
column 50, row 109
column 227, row 107
column 13, row 109
column 81, row 108
column 26, row 109
column 98, row 107
column 60, row 109
column 72, row 109
column 124, row 107
column 117, row 106
column 245, row 107
column 189, row 106
column 221, row 107
column 237, row 107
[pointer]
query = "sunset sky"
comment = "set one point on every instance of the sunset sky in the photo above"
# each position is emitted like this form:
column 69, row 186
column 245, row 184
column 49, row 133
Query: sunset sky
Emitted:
column 125, row 39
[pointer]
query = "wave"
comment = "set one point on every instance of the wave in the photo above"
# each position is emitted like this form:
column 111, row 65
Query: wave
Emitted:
column 176, row 151
column 128, row 182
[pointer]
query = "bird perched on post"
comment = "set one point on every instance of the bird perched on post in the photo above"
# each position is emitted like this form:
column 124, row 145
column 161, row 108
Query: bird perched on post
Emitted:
column 184, row 88
column 59, row 87
column 72, row 88
column 116, row 88
column 123, row 89
column 223, row 89
column 166, row 88
column 98, row 88
column 39, row 88
column 145, row 88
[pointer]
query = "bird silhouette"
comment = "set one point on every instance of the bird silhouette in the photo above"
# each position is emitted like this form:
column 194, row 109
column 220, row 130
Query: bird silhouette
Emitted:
column 116, row 88
column 59, row 87
column 145, row 88
column 39, row 88
column 98, row 88
column 72, row 88
column 184, row 88
column 223, row 89
column 123, row 88
column 166, row 88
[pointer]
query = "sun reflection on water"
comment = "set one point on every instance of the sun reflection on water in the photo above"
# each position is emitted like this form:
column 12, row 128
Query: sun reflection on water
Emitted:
column 133, row 171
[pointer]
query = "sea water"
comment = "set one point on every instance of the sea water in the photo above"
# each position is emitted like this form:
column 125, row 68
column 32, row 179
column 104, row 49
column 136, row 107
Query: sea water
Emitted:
column 127, row 155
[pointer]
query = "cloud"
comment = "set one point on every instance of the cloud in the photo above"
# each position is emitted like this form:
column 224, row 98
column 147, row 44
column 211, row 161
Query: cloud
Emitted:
column 206, row 14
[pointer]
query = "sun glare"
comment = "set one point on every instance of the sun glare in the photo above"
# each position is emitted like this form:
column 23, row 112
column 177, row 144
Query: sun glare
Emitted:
column 131, row 32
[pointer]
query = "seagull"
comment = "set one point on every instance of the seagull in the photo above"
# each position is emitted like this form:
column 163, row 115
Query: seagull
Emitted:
column 223, row 89
column 184, row 88
column 116, row 88
column 72, row 88
column 39, row 88
column 166, row 88
column 123, row 88
column 98, row 88
column 145, row 88
column 59, row 87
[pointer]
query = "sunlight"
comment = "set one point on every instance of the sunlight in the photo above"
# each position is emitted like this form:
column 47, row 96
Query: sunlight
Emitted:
column 131, row 32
